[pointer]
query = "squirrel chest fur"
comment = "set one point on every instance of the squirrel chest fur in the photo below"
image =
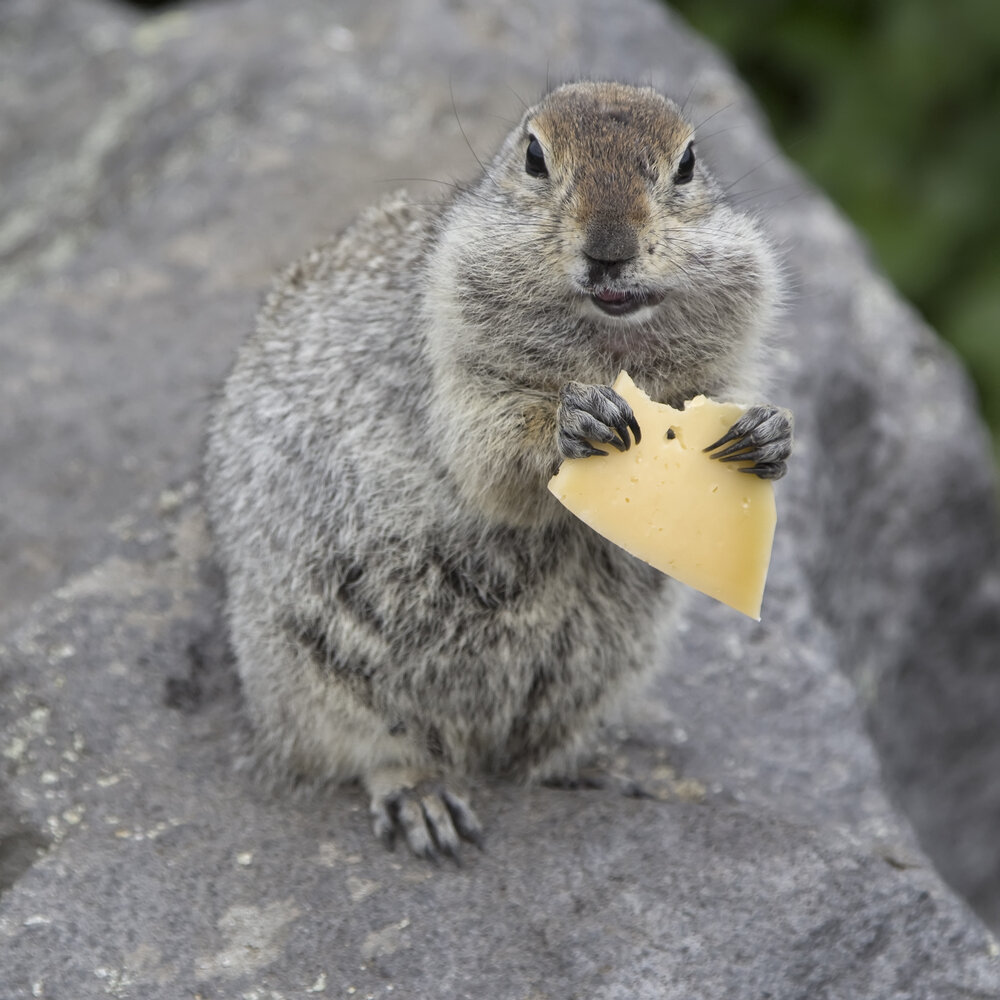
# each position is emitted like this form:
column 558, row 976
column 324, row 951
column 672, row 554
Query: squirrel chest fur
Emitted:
column 407, row 602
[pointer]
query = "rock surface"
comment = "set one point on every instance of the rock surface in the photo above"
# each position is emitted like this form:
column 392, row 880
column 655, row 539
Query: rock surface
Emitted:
column 155, row 171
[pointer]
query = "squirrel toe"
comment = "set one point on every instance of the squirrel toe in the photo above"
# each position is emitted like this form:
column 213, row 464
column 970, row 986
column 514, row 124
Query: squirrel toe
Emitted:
column 431, row 818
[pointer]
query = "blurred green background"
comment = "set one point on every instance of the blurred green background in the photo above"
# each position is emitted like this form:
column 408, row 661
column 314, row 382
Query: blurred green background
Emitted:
column 893, row 107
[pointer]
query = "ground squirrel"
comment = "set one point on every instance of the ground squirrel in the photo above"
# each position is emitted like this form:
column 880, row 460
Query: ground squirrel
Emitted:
column 408, row 604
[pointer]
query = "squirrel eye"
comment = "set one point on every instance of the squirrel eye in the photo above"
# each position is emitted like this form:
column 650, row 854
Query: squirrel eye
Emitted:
column 685, row 169
column 534, row 161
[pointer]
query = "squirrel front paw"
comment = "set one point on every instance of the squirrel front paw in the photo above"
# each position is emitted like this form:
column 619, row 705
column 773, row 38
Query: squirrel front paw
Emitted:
column 763, row 435
column 590, row 413
column 432, row 818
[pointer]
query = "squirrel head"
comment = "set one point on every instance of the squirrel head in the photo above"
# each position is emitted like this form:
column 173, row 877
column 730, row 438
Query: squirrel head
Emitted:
column 615, row 163
column 599, row 238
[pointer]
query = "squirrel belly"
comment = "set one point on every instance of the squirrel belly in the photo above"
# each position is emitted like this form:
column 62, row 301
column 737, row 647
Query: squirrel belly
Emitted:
column 408, row 604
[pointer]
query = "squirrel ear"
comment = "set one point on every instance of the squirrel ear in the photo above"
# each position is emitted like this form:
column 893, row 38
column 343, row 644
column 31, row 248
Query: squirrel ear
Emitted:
column 534, row 160
column 685, row 169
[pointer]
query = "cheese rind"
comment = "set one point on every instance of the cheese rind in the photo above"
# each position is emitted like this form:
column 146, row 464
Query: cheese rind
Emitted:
column 665, row 501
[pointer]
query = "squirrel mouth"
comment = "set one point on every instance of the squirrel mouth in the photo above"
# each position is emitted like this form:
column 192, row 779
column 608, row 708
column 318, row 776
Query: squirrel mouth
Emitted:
column 616, row 303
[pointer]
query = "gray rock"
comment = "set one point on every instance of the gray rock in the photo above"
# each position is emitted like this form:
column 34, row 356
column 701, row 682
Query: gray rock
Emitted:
column 155, row 171
column 768, row 864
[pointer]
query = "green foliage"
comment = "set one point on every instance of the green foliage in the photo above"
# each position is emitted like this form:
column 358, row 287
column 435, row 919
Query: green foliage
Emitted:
column 894, row 108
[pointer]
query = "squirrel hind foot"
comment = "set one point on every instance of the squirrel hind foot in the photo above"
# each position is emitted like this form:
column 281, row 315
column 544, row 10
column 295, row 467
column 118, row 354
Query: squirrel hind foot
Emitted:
column 596, row 777
column 431, row 818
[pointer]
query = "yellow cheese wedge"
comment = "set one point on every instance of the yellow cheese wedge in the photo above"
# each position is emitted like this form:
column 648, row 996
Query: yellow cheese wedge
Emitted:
column 697, row 519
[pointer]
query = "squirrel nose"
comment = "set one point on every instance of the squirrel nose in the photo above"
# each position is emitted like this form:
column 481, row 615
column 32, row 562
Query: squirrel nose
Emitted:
column 607, row 250
column 602, row 270
column 599, row 270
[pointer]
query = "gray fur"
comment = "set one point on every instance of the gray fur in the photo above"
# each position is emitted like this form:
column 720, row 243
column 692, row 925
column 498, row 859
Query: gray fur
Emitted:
column 408, row 603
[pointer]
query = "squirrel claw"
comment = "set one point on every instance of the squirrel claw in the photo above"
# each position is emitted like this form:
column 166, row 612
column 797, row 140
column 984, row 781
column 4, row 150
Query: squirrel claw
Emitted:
column 432, row 820
column 593, row 413
column 634, row 427
column 766, row 470
column 570, row 447
column 599, row 778
column 763, row 435
column 465, row 820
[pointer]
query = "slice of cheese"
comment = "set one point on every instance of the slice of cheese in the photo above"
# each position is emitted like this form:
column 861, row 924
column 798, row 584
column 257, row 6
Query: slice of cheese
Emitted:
column 697, row 519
